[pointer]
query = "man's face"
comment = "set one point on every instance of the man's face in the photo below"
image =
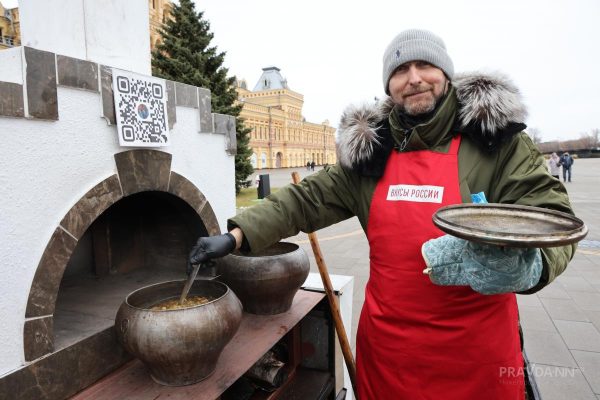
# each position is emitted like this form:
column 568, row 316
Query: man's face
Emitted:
column 417, row 86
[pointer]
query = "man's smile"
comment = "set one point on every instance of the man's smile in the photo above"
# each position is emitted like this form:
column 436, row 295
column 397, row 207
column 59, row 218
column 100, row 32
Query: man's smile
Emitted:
column 416, row 94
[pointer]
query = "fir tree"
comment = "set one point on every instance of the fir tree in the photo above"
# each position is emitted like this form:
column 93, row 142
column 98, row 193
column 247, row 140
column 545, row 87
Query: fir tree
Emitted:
column 185, row 55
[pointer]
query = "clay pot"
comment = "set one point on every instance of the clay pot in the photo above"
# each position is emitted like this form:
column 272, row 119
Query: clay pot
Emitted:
column 266, row 282
column 179, row 347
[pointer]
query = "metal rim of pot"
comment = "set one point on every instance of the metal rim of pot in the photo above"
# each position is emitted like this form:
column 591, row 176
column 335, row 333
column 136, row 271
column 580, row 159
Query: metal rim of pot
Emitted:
column 238, row 254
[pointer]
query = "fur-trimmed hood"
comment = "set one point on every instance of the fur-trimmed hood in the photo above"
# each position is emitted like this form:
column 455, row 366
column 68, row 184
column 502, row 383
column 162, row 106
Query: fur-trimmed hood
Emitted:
column 490, row 109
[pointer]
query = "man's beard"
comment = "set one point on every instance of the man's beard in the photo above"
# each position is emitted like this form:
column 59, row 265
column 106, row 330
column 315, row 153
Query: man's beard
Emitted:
column 423, row 106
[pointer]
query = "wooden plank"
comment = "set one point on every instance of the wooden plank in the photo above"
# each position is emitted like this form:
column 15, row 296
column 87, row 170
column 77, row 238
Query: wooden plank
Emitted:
column 256, row 335
column 295, row 347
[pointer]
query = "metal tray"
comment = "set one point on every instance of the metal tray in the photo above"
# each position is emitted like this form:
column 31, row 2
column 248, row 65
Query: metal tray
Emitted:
column 510, row 225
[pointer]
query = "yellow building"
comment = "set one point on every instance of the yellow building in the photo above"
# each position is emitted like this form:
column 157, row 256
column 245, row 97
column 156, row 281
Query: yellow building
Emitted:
column 281, row 137
column 10, row 33
column 159, row 12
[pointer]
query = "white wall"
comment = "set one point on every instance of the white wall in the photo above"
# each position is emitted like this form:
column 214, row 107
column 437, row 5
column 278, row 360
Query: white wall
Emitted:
column 53, row 25
column 46, row 167
column 11, row 65
column 118, row 34
column 110, row 32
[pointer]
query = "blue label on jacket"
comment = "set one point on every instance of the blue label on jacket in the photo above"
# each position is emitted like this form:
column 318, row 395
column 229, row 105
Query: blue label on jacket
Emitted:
column 478, row 198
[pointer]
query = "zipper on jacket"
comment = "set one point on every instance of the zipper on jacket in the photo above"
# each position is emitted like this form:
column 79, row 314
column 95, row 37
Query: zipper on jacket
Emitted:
column 400, row 147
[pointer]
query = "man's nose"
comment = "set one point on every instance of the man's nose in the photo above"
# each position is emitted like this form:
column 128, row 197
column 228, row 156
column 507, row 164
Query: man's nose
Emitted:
column 414, row 77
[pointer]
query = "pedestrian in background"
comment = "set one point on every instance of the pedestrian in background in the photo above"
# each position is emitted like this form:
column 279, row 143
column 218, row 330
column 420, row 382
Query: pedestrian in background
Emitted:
column 567, row 162
column 554, row 164
column 312, row 165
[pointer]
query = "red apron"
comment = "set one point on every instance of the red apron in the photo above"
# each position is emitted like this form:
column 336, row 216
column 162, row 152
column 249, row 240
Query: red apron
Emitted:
column 417, row 340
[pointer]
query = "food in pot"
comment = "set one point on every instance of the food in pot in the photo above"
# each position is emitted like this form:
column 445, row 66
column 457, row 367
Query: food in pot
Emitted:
column 173, row 304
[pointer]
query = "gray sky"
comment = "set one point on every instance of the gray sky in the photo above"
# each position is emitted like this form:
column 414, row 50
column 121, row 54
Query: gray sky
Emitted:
column 331, row 50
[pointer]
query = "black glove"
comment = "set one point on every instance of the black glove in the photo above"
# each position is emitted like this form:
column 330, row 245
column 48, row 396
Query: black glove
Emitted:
column 210, row 247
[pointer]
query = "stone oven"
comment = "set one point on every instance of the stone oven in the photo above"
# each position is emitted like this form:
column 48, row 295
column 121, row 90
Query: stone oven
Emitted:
column 83, row 220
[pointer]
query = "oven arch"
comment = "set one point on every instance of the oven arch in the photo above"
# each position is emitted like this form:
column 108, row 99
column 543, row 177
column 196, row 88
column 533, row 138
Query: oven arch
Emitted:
column 137, row 171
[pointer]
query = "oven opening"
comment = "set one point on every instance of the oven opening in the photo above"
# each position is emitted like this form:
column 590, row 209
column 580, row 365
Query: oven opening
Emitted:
column 142, row 239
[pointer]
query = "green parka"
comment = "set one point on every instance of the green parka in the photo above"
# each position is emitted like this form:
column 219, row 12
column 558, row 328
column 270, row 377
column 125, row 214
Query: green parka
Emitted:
column 495, row 157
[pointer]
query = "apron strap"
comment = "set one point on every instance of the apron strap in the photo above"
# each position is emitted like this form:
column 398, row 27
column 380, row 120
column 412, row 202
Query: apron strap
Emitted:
column 454, row 145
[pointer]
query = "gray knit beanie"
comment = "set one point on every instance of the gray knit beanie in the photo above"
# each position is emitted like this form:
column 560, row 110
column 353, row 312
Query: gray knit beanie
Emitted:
column 413, row 45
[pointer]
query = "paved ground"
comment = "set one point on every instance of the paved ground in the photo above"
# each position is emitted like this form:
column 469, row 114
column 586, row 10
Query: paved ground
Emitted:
column 561, row 323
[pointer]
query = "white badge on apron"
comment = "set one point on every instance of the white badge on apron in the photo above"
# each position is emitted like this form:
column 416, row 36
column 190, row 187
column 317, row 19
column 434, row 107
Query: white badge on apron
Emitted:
column 419, row 194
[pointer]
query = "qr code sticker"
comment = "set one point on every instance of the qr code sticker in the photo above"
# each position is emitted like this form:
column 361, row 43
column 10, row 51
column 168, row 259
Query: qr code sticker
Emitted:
column 140, row 105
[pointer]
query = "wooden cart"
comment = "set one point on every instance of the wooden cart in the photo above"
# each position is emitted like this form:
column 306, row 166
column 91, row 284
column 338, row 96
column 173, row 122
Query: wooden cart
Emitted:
column 307, row 331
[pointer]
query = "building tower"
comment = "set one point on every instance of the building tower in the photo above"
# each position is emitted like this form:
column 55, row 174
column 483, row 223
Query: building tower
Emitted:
column 281, row 137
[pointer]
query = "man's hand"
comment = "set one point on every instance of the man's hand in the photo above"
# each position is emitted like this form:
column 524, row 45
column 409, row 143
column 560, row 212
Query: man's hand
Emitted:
column 210, row 247
column 488, row 269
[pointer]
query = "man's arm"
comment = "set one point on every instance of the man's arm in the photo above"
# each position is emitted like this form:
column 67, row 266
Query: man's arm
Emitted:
column 319, row 200
column 522, row 179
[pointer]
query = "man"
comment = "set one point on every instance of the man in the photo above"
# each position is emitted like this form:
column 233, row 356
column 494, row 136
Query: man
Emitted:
column 567, row 162
column 440, row 317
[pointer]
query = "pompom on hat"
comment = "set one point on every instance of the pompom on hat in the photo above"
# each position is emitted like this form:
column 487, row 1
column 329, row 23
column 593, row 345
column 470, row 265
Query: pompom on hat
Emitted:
column 413, row 45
